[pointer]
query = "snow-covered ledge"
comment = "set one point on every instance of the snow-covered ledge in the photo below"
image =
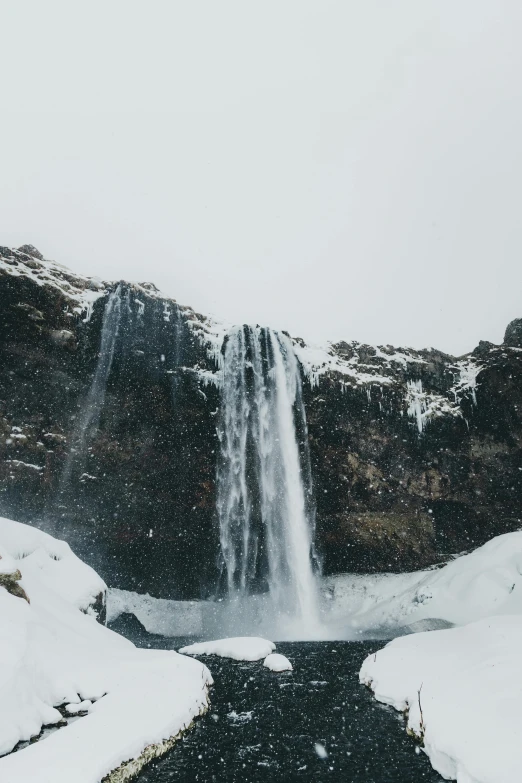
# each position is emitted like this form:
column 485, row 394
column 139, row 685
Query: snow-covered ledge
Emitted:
column 461, row 690
column 53, row 654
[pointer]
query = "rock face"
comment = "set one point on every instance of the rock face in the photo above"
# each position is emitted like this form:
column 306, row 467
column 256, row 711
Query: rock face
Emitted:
column 513, row 335
column 415, row 454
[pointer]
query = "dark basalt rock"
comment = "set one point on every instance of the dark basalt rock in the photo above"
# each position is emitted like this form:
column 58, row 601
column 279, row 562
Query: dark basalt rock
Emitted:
column 128, row 625
column 30, row 250
column 513, row 335
column 140, row 509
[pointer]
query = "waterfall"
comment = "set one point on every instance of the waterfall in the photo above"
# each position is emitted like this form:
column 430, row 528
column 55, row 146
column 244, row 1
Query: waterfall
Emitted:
column 264, row 492
column 88, row 421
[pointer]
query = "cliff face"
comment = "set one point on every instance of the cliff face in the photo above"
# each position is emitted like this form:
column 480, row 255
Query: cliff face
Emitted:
column 415, row 454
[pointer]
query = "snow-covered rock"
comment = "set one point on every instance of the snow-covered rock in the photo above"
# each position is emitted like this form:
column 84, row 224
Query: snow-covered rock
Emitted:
column 52, row 654
column 239, row 648
column 46, row 561
column 461, row 690
column 277, row 663
column 486, row 582
column 82, row 706
column 27, row 263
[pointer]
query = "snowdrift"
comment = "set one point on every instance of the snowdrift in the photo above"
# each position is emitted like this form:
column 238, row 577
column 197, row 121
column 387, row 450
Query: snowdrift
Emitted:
column 53, row 653
column 461, row 690
column 486, row 582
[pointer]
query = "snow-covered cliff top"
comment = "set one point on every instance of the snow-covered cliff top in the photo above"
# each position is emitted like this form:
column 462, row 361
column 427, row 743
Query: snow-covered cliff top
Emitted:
column 351, row 365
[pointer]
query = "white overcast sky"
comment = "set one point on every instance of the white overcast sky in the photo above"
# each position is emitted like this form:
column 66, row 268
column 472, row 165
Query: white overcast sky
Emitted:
column 343, row 169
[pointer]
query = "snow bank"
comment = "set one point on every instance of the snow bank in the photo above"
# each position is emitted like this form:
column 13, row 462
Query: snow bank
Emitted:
column 486, row 582
column 157, row 615
column 462, row 689
column 240, row 648
column 47, row 562
column 277, row 663
column 52, row 654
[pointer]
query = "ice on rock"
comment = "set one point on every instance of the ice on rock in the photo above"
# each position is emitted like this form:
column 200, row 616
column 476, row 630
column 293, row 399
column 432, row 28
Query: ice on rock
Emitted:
column 423, row 406
column 277, row 663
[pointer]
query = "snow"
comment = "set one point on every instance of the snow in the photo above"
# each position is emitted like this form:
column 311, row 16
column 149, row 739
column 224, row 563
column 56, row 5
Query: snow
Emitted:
column 48, row 563
column 83, row 706
column 277, row 663
column 320, row 750
column 239, row 648
column 52, row 654
column 240, row 718
column 318, row 360
column 17, row 463
column 462, row 689
column 157, row 615
column 82, row 291
column 486, row 582
column 8, row 566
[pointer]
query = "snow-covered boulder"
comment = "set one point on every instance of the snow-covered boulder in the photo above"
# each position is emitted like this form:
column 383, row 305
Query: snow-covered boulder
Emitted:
column 461, row 690
column 44, row 560
column 277, row 663
column 53, row 654
column 239, row 648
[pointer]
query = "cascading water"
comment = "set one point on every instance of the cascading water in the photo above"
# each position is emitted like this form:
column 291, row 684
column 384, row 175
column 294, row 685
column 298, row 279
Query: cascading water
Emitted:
column 89, row 418
column 264, row 502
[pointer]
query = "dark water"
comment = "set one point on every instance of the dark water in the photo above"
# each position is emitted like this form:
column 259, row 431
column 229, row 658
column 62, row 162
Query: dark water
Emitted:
column 264, row 726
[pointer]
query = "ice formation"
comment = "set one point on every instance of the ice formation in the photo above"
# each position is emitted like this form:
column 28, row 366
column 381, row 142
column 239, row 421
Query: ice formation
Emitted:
column 423, row 406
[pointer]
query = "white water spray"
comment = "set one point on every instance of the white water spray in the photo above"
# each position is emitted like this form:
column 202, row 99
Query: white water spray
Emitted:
column 264, row 500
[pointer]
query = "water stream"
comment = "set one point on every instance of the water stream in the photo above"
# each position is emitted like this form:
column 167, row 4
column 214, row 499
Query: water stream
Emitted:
column 314, row 724
column 88, row 421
